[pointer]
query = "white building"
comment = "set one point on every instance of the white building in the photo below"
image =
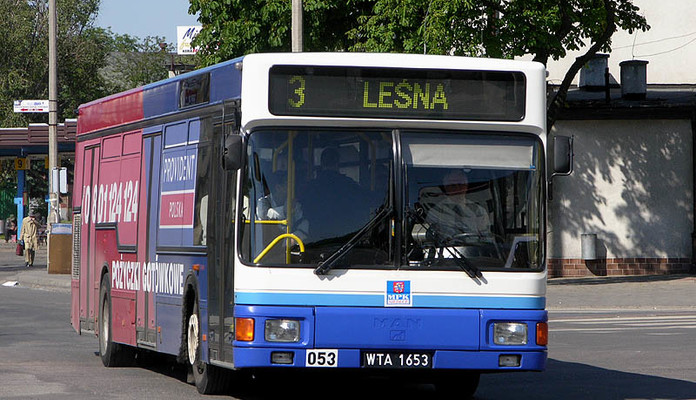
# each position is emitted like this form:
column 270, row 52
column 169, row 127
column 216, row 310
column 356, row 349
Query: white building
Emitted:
column 633, row 184
column 669, row 45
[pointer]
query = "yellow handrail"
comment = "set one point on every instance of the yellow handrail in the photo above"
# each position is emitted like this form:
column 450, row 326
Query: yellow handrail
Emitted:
column 275, row 241
column 268, row 221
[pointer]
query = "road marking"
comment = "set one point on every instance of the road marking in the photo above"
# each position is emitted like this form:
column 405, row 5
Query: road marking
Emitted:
column 617, row 323
column 622, row 318
column 606, row 329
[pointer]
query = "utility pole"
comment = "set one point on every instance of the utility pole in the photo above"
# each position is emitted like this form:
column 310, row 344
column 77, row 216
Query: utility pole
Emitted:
column 53, row 215
column 296, row 26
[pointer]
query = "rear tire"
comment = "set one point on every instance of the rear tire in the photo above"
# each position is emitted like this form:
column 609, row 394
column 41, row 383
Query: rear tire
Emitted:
column 208, row 378
column 459, row 385
column 112, row 354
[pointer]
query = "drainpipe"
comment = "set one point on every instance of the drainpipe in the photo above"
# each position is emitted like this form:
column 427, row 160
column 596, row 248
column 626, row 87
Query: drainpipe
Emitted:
column 693, row 190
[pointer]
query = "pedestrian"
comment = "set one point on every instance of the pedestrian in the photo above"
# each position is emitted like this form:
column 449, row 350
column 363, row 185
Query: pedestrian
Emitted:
column 10, row 227
column 30, row 235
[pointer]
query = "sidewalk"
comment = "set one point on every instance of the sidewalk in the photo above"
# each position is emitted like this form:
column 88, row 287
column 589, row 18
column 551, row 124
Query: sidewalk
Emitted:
column 659, row 292
column 12, row 269
column 653, row 292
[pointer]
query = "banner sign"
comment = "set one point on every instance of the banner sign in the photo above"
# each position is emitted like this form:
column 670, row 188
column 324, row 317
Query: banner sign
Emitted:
column 185, row 35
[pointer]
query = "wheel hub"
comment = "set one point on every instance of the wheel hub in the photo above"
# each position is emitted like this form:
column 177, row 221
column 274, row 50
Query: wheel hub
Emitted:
column 192, row 338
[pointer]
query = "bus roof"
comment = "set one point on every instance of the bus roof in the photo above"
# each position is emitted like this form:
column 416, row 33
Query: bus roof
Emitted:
column 224, row 81
column 156, row 99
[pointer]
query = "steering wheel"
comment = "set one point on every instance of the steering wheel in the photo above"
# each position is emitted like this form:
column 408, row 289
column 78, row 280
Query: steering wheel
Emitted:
column 465, row 237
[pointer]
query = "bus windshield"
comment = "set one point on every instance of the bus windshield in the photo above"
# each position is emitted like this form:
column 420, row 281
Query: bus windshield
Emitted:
column 321, row 187
column 473, row 201
column 466, row 201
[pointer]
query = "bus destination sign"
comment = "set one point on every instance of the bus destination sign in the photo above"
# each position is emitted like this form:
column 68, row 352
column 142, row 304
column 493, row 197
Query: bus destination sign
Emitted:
column 396, row 93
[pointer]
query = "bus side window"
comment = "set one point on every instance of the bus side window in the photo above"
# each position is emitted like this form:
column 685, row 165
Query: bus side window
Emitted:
column 200, row 217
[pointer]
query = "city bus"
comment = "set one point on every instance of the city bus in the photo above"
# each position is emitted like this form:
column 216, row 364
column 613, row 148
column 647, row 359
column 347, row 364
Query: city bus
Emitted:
column 288, row 211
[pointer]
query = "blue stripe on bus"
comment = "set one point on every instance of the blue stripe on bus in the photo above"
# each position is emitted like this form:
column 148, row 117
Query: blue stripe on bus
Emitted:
column 326, row 299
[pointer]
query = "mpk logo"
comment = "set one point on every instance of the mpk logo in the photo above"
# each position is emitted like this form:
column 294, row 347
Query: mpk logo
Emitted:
column 399, row 287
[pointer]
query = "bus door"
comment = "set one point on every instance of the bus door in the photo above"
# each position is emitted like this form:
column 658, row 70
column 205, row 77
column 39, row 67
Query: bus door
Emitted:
column 221, row 245
column 87, row 276
column 149, row 206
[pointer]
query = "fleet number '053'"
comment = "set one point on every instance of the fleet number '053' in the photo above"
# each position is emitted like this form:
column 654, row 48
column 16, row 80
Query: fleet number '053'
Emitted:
column 321, row 358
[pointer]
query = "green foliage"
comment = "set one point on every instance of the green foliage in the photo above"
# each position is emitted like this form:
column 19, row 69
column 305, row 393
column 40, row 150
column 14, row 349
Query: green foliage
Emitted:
column 24, row 69
column 92, row 62
column 232, row 28
column 134, row 62
column 8, row 175
column 490, row 28
column 85, row 56
column 487, row 28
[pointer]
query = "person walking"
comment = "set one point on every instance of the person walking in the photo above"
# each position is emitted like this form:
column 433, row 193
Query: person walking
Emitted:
column 30, row 235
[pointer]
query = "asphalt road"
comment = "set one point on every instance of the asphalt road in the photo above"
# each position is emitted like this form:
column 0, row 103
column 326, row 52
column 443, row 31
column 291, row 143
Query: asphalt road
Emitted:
column 610, row 338
column 594, row 354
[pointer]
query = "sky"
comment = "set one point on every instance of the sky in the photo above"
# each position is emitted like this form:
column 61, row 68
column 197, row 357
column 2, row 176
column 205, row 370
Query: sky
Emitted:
column 153, row 17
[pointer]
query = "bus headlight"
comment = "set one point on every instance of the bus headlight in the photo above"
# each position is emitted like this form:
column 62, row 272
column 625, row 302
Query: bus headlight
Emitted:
column 509, row 333
column 282, row 330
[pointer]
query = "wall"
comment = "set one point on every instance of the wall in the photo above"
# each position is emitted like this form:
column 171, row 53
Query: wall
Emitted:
column 669, row 46
column 633, row 187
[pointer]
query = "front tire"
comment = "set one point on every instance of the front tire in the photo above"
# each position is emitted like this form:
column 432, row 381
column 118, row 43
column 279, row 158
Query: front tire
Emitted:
column 208, row 378
column 112, row 354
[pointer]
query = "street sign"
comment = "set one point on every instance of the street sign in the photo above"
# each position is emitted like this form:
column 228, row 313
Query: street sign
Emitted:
column 21, row 164
column 31, row 106
column 59, row 180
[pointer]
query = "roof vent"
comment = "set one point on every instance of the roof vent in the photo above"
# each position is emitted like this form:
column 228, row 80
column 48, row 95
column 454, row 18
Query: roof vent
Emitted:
column 592, row 73
column 634, row 74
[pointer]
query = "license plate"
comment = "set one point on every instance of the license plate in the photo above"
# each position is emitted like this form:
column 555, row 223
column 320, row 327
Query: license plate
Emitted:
column 327, row 358
column 396, row 359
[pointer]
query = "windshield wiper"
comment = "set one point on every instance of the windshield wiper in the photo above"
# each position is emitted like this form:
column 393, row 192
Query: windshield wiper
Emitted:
column 329, row 263
column 459, row 258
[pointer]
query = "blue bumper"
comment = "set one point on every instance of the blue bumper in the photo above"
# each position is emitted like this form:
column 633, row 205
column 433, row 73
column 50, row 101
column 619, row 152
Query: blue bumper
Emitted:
column 452, row 338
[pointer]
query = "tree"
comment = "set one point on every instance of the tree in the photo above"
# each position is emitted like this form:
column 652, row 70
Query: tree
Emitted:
column 82, row 50
column 482, row 28
column 232, row 28
column 134, row 62
column 82, row 56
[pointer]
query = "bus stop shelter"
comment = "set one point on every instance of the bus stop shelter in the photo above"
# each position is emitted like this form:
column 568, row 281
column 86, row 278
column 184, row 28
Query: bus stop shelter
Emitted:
column 20, row 144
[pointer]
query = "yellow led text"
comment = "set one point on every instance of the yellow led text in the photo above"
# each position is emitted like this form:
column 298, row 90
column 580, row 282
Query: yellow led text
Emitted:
column 404, row 95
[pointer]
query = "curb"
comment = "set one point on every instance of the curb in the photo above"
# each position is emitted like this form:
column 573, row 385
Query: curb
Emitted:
column 40, row 279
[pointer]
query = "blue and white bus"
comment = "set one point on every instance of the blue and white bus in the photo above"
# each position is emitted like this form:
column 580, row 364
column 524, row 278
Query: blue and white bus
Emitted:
column 341, row 211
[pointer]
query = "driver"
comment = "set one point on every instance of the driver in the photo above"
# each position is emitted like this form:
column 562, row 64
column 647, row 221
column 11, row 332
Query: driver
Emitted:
column 272, row 206
column 455, row 214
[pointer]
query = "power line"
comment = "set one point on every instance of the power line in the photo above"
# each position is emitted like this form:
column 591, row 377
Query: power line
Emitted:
column 668, row 51
column 655, row 41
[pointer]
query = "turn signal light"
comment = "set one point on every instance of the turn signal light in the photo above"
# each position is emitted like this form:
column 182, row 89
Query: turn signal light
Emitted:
column 244, row 331
column 542, row 334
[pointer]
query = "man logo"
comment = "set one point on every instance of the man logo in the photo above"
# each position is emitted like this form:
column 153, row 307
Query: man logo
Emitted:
column 397, row 336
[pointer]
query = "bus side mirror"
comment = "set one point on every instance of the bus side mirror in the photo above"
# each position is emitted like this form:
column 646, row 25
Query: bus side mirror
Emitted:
column 562, row 156
column 232, row 154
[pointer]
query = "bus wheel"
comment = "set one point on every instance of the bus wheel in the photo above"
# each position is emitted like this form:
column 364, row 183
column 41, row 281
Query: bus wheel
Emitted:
column 208, row 378
column 112, row 354
column 462, row 384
